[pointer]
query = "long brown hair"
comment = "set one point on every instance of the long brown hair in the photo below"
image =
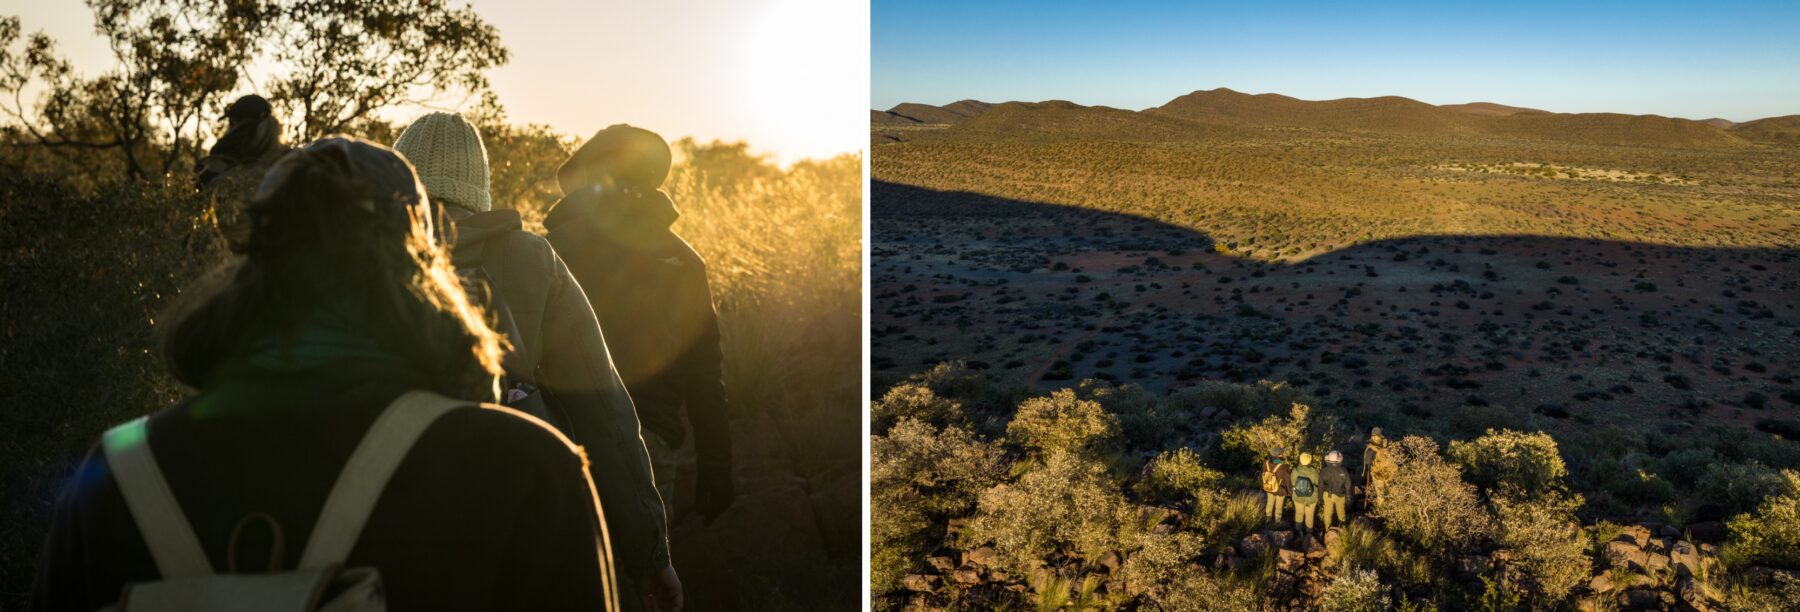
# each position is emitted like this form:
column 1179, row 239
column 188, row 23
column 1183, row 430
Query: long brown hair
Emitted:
column 340, row 232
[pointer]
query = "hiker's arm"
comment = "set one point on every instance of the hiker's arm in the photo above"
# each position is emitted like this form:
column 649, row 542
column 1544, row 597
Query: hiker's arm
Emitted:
column 578, row 374
column 703, row 369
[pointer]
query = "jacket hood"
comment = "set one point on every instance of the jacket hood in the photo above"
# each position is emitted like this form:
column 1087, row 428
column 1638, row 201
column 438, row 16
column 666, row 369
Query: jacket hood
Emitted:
column 474, row 229
column 617, row 213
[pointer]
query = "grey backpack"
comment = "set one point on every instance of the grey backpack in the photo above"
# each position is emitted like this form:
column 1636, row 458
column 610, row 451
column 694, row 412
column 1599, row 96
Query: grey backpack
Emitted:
column 320, row 583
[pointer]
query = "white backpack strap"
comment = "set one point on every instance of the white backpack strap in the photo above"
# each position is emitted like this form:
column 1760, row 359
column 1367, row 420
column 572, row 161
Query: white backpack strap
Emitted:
column 152, row 505
column 367, row 472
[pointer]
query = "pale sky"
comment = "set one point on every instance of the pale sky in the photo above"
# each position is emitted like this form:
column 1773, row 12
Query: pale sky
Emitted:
column 791, row 77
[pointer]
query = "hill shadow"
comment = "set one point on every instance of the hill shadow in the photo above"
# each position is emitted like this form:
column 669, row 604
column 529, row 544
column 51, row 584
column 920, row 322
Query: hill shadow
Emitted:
column 1435, row 325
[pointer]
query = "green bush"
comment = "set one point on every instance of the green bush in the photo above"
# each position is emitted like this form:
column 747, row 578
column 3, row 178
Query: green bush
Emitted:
column 1355, row 591
column 1204, row 591
column 917, row 475
column 1298, row 432
column 1145, row 422
column 1178, row 475
column 1730, row 489
column 1068, row 503
column 1261, row 399
column 1429, row 504
column 1063, row 423
column 1545, row 543
column 1521, row 462
column 1771, row 535
column 915, row 401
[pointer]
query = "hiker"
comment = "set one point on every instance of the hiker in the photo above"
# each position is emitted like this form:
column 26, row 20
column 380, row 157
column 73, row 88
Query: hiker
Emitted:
column 1277, row 484
column 1334, row 488
column 1306, row 493
column 649, row 289
column 1378, row 468
column 235, row 165
column 342, row 321
column 559, row 368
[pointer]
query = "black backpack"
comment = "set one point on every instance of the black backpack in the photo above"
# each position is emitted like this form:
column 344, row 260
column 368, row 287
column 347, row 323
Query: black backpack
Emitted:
column 519, row 395
column 1303, row 486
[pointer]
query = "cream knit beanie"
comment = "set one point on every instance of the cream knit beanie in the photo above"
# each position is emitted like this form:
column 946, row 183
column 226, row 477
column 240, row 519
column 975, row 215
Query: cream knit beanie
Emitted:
column 450, row 158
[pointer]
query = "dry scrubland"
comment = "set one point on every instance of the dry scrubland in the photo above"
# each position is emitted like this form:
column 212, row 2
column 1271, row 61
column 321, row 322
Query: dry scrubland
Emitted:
column 88, row 264
column 1587, row 323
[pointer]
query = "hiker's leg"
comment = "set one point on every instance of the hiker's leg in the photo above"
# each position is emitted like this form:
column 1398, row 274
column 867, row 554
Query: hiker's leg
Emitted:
column 1269, row 505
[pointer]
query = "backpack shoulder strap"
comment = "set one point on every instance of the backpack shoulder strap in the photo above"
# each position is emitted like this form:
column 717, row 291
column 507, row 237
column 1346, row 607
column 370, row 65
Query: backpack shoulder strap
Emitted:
column 152, row 504
column 367, row 472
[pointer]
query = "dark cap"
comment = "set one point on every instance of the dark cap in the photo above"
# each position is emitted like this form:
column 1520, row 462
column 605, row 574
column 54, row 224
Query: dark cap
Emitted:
column 633, row 157
column 248, row 108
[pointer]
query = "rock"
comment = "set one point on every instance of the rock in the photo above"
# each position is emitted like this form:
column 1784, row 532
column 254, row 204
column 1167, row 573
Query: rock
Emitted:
column 1587, row 603
column 1473, row 565
column 1163, row 529
column 1711, row 532
column 1620, row 553
column 957, row 525
column 1684, row 557
column 1317, row 552
column 1331, row 538
column 1640, row 599
column 1695, row 594
column 1279, row 539
column 1658, row 563
column 1253, row 545
column 1208, row 412
column 1289, row 560
column 1110, row 561
column 1670, row 532
column 967, row 575
column 1638, row 535
column 982, row 557
column 942, row 564
column 1602, row 583
column 1659, row 545
column 921, row 583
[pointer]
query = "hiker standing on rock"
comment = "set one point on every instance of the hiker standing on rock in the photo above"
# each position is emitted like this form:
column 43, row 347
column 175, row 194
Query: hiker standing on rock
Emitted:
column 235, row 165
column 1277, row 484
column 1306, row 493
column 1378, row 468
column 1334, row 488
column 324, row 364
column 649, row 289
column 559, row 368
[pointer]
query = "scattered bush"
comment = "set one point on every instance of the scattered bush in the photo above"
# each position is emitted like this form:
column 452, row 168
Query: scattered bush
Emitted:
column 915, row 401
column 1429, row 504
column 1067, row 503
column 1178, row 475
column 1509, row 459
column 1544, row 540
column 1771, row 535
column 1062, row 423
column 1355, row 591
column 917, row 475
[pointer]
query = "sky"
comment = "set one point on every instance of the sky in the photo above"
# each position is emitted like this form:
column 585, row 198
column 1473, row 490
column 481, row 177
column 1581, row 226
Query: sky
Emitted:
column 790, row 77
column 1698, row 60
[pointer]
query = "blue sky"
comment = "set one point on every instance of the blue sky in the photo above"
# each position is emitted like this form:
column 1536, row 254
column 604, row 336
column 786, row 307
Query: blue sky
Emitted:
column 1737, row 60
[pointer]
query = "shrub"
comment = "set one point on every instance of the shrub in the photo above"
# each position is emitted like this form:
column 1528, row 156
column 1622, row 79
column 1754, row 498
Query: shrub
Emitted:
column 1771, row 535
column 1520, row 461
column 917, row 474
column 1729, row 489
column 1067, row 502
column 1179, row 475
column 915, row 401
column 1261, row 399
column 1355, row 591
column 1299, row 432
column 1429, row 504
column 1144, row 422
column 1062, row 423
column 1360, row 546
column 1544, row 540
column 1152, row 560
column 1203, row 591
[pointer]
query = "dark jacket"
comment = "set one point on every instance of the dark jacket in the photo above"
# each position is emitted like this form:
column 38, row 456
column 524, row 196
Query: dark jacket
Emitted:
column 456, row 529
column 230, row 173
column 649, row 289
column 563, row 352
column 1284, row 474
column 1334, row 479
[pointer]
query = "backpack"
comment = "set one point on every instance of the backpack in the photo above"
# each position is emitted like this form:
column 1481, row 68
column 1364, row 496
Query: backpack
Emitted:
column 320, row 583
column 1383, row 467
column 1271, row 483
column 1303, row 486
column 514, row 393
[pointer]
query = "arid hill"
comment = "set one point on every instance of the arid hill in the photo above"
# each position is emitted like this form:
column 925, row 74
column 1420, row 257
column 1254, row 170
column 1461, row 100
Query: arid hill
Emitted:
column 1197, row 113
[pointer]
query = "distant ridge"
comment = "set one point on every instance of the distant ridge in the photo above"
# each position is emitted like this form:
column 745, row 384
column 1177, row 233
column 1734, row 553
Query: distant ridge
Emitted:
column 1207, row 111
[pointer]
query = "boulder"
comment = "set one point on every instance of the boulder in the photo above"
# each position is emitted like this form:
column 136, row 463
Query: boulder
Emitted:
column 1640, row 599
column 957, row 525
column 1712, row 532
column 921, row 583
column 1657, row 563
column 1253, row 545
column 1638, row 535
column 1684, row 557
column 1659, row 545
column 1475, row 565
column 983, row 557
column 967, row 575
column 1602, row 583
column 1695, row 594
column 942, row 564
column 1289, row 560
column 1669, row 531
column 1620, row 553
column 1110, row 561
column 1208, row 412
column 1278, row 538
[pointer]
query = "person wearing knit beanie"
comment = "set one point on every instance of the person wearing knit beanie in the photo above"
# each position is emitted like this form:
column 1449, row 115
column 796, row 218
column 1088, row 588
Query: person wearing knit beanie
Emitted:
column 450, row 158
column 560, row 368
